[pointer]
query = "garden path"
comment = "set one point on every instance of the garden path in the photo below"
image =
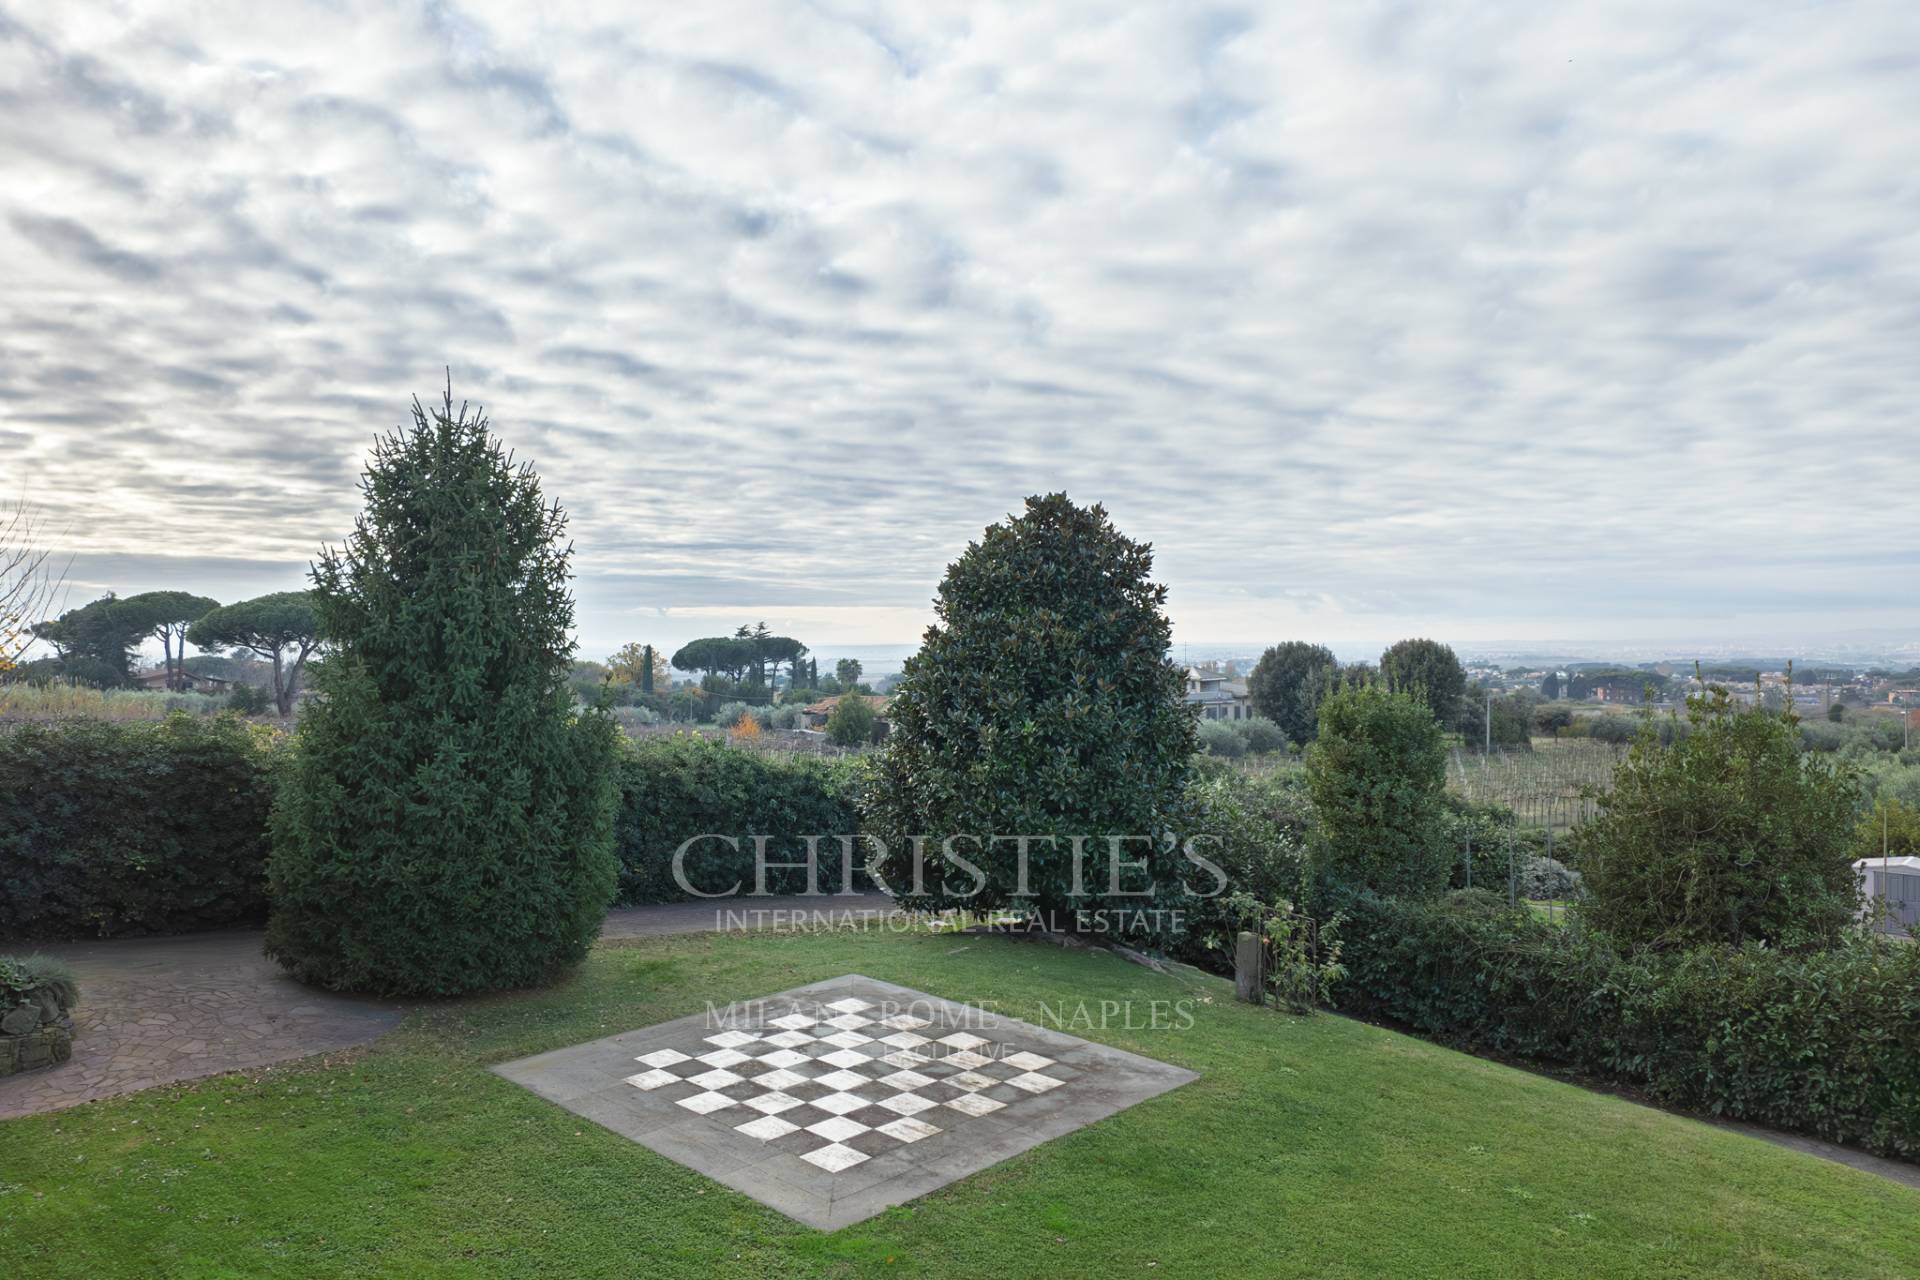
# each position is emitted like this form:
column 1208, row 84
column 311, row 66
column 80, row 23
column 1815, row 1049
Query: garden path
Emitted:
column 159, row 1010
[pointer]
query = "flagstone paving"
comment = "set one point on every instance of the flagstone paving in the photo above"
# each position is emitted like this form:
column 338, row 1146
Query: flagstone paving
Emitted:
column 160, row 1010
column 833, row 1102
column 157, row 1010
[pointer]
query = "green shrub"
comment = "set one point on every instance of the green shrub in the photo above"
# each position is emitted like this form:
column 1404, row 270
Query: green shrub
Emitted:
column 1826, row 1042
column 632, row 717
column 125, row 827
column 673, row 788
column 249, row 700
column 1499, row 846
column 1729, row 835
column 853, row 721
column 728, row 714
column 1256, row 830
column 1217, row 738
column 1377, row 775
column 1261, row 736
column 1548, row 879
column 46, row 983
column 448, row 822
column 1302, row 958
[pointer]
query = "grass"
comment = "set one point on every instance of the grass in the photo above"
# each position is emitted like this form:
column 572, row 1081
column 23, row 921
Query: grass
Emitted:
column 56, row 701
column 1309, row 1147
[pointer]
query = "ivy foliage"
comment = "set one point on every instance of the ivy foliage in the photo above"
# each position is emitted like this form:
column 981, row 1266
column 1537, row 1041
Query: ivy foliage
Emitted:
column 1042, row 704
column 447, row 824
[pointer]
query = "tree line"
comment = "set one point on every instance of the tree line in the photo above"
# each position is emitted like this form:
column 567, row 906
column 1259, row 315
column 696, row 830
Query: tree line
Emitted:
column 94, row 643
column 1293, row 679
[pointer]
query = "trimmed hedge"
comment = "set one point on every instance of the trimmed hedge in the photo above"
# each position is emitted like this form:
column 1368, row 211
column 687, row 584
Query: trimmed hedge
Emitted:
column 112, row 828
column 1826, row 1042
column 683, row 785
column 127, row 827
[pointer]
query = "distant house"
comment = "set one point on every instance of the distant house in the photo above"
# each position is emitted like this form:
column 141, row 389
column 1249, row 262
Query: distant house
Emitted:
column 1217, row 697
column 814, row 715
column 188, row 682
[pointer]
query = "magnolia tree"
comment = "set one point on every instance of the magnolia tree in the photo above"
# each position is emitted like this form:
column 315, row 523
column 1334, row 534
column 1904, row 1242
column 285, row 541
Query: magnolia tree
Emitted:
column 1039, row 748
column 447, row 820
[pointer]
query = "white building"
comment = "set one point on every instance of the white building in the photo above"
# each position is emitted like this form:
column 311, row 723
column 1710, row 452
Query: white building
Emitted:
column 1891, row 887
column 1217, row 697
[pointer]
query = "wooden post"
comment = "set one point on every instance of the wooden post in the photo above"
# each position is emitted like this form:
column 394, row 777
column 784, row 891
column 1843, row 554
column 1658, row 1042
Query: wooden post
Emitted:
column 1246, row 969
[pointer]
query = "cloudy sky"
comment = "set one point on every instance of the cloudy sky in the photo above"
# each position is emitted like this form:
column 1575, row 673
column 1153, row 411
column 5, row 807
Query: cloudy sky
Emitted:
column 1471, row 319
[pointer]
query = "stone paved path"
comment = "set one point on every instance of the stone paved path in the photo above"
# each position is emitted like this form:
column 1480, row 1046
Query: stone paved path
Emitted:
column 159, row 1010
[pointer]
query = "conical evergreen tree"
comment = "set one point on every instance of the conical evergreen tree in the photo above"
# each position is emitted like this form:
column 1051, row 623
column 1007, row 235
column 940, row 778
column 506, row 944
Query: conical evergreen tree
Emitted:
column 447, row 822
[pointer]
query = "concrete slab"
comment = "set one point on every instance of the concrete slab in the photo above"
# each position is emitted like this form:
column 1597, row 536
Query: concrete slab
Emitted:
column 835, row 1101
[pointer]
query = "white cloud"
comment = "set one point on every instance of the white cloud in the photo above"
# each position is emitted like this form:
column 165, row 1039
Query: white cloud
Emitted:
column 1474, row 320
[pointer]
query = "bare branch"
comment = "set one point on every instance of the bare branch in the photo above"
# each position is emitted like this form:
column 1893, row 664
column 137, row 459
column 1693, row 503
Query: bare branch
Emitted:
column 32, row 585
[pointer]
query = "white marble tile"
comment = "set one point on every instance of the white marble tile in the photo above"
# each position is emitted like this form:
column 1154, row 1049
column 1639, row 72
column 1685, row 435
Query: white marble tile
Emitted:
column 766, row 1128
column 1034, row 1082
column 837, row 1128
column 771, row 1103
column 834, row 1158
column 662, row 1058
column 845, row 1058
column 908, row 1129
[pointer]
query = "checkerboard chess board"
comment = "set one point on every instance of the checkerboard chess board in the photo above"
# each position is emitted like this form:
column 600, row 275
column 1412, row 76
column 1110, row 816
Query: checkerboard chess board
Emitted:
column 841, row 1081
column 834, row 1101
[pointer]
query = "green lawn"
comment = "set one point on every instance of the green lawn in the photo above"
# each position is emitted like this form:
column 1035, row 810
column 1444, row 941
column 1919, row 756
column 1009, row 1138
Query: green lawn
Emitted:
column 1310, row 1147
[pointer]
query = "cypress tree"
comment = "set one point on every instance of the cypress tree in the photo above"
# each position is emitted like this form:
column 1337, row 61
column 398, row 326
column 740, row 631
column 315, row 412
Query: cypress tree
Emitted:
column 446, row 825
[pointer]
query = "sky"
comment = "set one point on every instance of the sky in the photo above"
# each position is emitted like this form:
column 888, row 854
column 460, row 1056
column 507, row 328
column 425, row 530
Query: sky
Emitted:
column 1473, row 320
